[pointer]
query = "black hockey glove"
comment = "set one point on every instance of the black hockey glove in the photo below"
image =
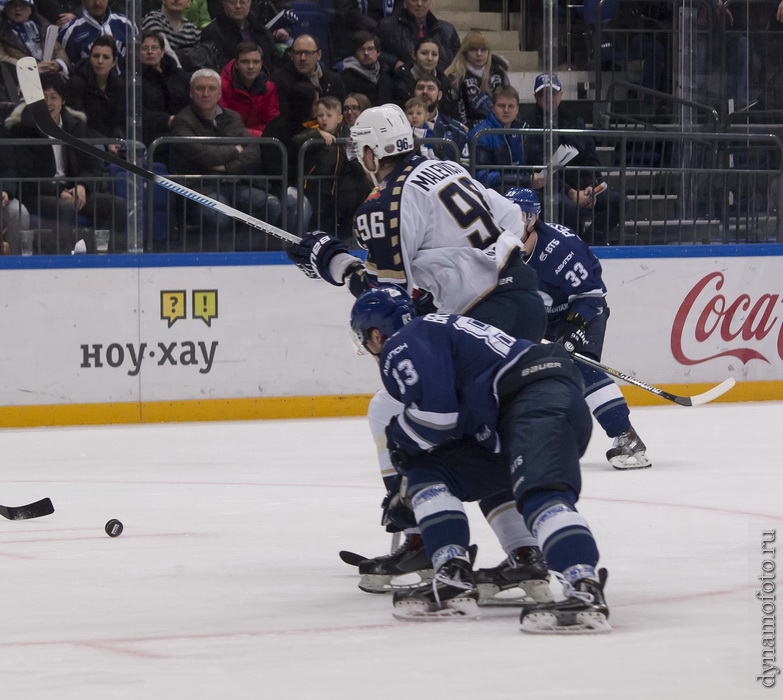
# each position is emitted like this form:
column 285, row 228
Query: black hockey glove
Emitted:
column 399, row 458
column 572, row 332
column 313, row 254
column 397, row 511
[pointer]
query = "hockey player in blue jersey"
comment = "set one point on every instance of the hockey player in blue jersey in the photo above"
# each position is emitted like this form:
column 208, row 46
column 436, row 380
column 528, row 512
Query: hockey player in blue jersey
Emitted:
column 469, row 392
column 570, row 282
column 429, row 225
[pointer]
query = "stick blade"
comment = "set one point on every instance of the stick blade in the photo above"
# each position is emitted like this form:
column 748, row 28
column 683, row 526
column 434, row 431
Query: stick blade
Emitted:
column 714, row 393
column 351, row 558
column 31, row 510
column 29, row 80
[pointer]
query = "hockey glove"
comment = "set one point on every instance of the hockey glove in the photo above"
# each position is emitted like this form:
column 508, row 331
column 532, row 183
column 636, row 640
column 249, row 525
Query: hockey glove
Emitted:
column 313, row 254
column 397, row 511
column 572, row 332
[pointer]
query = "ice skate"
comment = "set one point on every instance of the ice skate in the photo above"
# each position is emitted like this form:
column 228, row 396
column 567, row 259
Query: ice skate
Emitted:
column 628, row 452
column 407, row 566
column 583, row 611
column 521, row 578
column 451, row 595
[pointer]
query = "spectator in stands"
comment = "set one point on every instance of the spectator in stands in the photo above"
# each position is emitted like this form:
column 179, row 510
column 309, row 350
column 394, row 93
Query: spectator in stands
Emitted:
column 96, row 19
column 59, row 12
column 416, row 111
column 353, row 105
column 237, row 22
column 426, row 54
column 13, row 214
column 443, row 127
column 23, row 33
column 574, row 183
column 248, row 89
column 170, row 21
column 351, row 17
column 300, row 110
column 475, row 73
column 98, row 91
column 413, row 21
column 165, row 90
column 366, row 72
column 205, row 117
column 500, row 156
column 302, row 64
column 69, row 179
column 334, row 172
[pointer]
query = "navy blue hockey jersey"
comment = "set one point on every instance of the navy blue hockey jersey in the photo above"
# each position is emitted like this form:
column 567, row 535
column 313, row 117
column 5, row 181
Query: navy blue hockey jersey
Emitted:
column 445, row 369
column 569, row 274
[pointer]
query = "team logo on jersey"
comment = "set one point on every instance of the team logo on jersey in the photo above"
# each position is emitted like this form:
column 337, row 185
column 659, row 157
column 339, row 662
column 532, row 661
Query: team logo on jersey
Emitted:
column 376, row 192
column 390, row 148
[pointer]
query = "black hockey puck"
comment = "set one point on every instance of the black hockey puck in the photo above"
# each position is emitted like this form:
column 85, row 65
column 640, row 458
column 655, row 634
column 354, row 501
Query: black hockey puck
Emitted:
column 113, row 528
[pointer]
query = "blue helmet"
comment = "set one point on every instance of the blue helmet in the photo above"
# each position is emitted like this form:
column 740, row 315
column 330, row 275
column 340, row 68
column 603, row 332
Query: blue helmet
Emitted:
column 387, row 308
column 525, row 198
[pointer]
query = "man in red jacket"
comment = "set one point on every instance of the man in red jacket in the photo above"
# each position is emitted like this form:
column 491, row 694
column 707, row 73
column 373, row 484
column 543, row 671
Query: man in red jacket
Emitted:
column 247, row 89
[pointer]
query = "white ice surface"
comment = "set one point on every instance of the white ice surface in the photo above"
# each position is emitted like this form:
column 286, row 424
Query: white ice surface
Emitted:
column 226, row 581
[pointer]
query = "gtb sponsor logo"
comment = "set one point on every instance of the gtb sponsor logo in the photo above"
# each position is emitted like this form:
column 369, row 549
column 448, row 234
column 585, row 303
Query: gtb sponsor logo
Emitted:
column 707, row 314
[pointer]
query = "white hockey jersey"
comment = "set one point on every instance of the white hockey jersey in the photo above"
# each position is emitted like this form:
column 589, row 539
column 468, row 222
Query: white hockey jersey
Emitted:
column 431, row 226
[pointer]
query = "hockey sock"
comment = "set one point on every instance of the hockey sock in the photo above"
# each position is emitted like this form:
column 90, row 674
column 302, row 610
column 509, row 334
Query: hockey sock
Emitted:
column 507, row 523
column 605, row 400
column 563, row 533
column 441, row 517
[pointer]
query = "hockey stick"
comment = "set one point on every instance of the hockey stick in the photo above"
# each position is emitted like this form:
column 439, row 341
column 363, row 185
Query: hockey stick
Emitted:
column 698, row 400
column 31, row 510
column 30, row 84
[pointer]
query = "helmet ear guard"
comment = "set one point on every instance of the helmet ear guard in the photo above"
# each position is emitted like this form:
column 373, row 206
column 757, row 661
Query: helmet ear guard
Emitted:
column 387, row 308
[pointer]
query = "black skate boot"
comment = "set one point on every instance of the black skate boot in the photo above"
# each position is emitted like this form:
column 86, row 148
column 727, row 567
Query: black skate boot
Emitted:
column 451, row 595
column 628, row 452
column 583, row 610
column 522, row 577
column 409, row 558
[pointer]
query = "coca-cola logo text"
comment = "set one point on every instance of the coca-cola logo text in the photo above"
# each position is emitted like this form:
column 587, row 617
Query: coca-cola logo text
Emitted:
column 741, row 318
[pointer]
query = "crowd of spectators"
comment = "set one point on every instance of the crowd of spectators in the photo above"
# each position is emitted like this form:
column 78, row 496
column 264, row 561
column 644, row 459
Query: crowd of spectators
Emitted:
column 228, row 68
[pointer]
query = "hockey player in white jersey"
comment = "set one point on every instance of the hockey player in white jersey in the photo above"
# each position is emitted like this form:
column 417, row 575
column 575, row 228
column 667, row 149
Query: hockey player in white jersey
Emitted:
column 467, row 389
column 427, row 225
column 570, row 281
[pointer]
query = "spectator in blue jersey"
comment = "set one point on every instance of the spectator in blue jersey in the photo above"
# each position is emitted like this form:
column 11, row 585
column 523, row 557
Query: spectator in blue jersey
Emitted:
column 443, row 126
column 571, row 284
column 96, row 19
column 574, row 184
column 482, row 412
column 499, row 157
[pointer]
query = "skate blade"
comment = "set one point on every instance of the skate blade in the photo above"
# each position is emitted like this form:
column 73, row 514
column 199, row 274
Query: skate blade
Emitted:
column 625, row 462
column 423, row 611
column 383, row 583
column 531, row 591
column 588, row 622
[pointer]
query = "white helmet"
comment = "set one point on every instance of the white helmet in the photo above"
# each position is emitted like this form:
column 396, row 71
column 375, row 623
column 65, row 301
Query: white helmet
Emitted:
column 384, row 129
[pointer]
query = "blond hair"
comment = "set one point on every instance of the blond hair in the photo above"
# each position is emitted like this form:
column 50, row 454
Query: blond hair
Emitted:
column 459, row 66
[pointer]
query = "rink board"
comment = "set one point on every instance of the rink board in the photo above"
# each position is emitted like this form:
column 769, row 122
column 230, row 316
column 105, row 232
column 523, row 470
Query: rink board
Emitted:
column 100, row 339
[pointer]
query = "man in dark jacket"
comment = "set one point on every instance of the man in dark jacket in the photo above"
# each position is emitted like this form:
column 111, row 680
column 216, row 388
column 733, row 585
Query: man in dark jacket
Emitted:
column 574, row 184
column 236, row 23
column 302, row 64
column 414, row 20
column 72, row 192
column 366, row 72
column 443, row 126
column 222, row 164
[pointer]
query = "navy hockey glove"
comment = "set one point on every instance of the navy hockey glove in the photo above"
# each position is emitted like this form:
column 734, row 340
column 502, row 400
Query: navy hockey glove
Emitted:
column 572, row 332
column 313, row 254
column 398, row 457
column 397, row 510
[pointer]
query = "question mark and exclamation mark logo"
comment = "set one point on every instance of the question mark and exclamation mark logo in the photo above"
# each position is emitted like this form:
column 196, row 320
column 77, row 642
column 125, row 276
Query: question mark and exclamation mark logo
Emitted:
column 204, row 303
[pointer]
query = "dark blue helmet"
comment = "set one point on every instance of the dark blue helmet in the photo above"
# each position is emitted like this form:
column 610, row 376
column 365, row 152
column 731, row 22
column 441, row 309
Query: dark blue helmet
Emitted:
column 525, row 198
column 387, row 308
